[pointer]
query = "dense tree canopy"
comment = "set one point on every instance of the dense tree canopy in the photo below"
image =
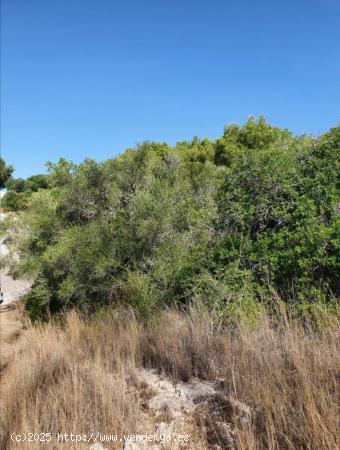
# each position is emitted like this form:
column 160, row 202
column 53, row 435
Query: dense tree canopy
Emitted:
column 232, row 223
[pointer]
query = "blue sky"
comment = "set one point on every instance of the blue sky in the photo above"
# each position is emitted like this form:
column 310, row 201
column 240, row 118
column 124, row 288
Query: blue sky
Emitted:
column 85, row 78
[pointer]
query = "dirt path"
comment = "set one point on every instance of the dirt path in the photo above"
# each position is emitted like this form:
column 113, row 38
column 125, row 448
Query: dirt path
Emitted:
column 12, row 289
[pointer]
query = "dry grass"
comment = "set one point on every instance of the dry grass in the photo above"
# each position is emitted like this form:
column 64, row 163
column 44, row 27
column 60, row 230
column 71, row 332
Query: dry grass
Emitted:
column 10, row 329
column 286, row 373
column 73, row 379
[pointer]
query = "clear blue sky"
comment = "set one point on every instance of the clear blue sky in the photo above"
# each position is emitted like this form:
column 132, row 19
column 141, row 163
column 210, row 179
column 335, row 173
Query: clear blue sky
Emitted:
column 93, row 77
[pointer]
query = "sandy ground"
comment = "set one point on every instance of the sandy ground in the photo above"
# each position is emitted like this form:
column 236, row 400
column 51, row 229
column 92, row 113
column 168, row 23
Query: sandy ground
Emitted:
column 10, row 310
column 12, row 289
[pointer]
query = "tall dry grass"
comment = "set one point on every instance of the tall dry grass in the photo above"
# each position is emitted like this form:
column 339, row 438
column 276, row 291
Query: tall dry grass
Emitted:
column 73, row 379
column 287, row 373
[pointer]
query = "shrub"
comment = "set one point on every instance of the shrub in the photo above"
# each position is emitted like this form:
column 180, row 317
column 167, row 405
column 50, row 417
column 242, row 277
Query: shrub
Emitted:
column 227, row 222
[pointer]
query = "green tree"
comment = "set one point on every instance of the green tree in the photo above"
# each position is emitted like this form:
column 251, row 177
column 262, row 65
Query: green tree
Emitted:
column 5, row 173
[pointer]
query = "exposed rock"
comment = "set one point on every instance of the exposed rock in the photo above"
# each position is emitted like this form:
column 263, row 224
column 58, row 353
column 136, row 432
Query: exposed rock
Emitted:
column 97, row 446
column 141, row 445
column 176, row 398
column 214, row 412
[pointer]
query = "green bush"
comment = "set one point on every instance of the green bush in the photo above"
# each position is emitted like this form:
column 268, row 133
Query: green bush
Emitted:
column 20, row 190
column 225, row 223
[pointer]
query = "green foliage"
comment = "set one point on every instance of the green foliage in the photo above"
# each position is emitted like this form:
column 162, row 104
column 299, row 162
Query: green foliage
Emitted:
column 5, row 173
column 222, row 223
column 16, row 185
column 32, row 184
column 60, row 174
column 14, row 201
column 20, row 190
column 37, row 302
column 278, row 218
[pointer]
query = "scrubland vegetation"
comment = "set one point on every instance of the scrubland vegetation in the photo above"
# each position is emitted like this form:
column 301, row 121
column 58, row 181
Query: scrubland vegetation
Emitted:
column 211, row 259
column 234, row 223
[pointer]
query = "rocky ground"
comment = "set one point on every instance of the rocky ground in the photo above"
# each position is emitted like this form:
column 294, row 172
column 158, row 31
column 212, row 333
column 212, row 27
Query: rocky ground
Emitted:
column 186, row 411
